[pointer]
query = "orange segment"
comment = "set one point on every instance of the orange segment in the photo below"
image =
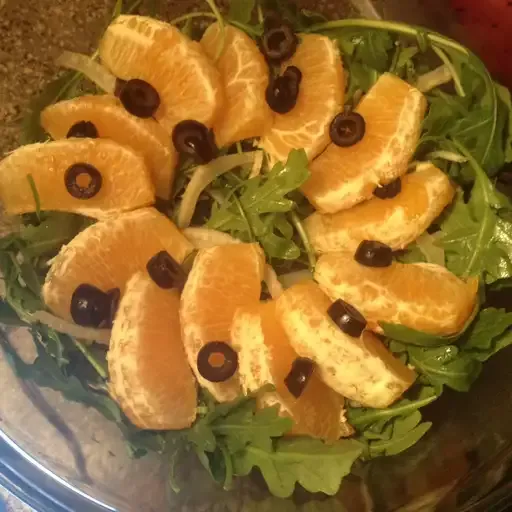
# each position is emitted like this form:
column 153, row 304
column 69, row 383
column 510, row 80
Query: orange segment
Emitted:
column 422, row 296
column 187, row 82
column 342, row 177
column 108, row 253
column 321, row 96
column 396, row 222
column 222, row 279
column 126, row 183
column 361, row 369
column 113, row 121
column 266, row 357
column 244, row 74
column 149, row 374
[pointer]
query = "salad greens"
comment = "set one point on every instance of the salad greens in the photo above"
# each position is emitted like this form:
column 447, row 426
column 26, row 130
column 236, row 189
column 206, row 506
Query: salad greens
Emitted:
column 467, row 132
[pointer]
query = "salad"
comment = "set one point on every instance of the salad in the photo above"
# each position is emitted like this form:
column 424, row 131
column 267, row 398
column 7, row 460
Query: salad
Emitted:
column 261, row 237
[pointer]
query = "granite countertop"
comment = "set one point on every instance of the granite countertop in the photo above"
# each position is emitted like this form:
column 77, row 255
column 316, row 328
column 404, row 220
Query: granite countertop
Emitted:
column 9, row 503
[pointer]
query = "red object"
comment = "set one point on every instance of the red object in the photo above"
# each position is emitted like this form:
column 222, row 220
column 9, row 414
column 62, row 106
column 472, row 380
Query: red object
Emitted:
column 488, row 28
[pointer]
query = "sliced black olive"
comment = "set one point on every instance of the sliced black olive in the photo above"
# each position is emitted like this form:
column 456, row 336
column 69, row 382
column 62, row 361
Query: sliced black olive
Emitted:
column 390, row 190
column 283, row 91
column 279, row 43
column 347, row 129
column 84, row 129
column 347, row 318
column 166, row 272
column 295, row 73
column 90, row 306
column 83, row 181
column 374, row 254
column 298, row 378
column 139, row 98
column 272, row 20
column 195, row 139
column 217, row 361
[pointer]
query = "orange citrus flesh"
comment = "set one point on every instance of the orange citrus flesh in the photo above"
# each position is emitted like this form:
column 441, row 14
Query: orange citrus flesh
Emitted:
column 422, row 296
column 244, row 74
column 342, row 177
column 126, row 182
column 149, row 374
column 397, row 221
column 321, row 96
column 188, row 84
column 113, row 121
column 266, row 357
column 108, row 253
column 222, row 279
column 360, row 369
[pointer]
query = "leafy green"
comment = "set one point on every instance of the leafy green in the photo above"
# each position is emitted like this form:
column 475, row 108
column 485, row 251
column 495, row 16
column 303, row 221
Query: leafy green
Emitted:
column 442, row 366
column 241, row 10
column 317, row 466
column 372, row 47
column 256, row 208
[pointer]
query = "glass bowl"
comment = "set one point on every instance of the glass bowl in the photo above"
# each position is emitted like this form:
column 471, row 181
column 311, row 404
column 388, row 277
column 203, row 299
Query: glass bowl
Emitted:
column 59, row 455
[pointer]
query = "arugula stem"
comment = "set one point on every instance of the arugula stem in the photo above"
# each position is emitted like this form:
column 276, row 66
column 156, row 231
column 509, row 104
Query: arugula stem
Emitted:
column 391, row 26
column 92, row 360
column 305, row 239
column 35, row 193
column 448, row 63
column 244, row 216
column 246, row 28
column 192, row 15
column 487, row 215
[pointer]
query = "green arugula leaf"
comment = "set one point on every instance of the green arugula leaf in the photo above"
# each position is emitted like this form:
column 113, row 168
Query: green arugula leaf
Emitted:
column 51, row 234
column 406, row 56
column 9, row 316
column 401, row 440
column 318, row 467
column 241, row 10
column 254, row 210
column 362, row 418
column 372, row 48
column 246, row 425
column 442, row 366
column 489, row 324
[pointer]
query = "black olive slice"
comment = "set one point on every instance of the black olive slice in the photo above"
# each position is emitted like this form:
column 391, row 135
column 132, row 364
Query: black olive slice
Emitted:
column 374, row 254
column 298, row 378
column 283, row 91
column 83, row 181
column 347, row 318
column 139, row 98
column 90, row 306
column 279, row 42
column 347, row 129
column 217, row 361
column 166, row 272
column 195, row 139
column 390, row 190
column 83, row 129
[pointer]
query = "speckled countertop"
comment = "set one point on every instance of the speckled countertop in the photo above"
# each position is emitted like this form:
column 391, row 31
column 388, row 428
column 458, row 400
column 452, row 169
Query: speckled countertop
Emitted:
column 10, row 503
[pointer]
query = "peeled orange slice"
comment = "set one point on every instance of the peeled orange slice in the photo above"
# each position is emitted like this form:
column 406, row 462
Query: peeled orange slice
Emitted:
column 266, row 357
column 396, row 222
column 149, row 374
column 126, row 183
column 222, row 279
column 321, row 96
column 108, row 253
column 361, row 369
column 113, row 121
column 344, row 176
column 422, row 296
column 187, row 82
column 244, row 74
